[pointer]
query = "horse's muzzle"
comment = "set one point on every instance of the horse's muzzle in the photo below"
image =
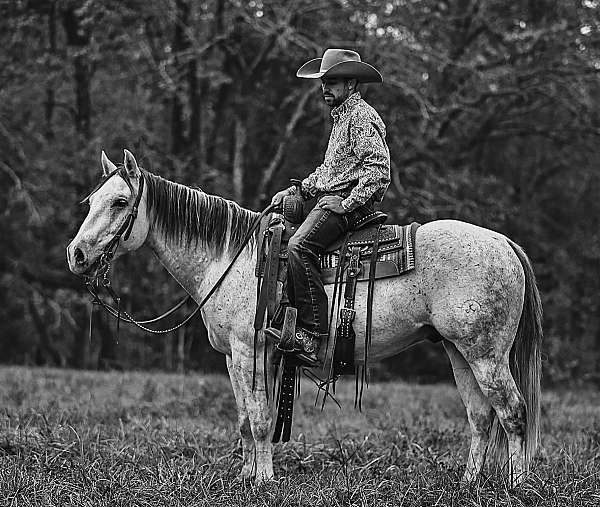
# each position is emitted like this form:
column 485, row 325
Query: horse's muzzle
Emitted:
column 77, row 259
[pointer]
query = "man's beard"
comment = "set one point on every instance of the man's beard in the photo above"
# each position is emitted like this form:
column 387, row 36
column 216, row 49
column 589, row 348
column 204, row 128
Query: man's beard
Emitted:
column 337, row 101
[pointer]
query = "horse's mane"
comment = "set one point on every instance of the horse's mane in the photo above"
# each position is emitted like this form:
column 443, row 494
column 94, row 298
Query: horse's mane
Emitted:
column 185, row 214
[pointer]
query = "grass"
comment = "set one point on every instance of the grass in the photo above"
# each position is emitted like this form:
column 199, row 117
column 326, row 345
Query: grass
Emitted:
column 141, row 439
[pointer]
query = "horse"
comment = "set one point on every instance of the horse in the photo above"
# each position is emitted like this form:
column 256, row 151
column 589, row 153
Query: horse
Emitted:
column 471, row 286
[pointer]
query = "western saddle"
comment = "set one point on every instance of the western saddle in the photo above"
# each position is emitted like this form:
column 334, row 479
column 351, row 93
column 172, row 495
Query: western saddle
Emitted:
column 369, row 252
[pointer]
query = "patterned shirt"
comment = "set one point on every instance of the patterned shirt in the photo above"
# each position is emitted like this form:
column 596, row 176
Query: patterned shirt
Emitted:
column 357, row 156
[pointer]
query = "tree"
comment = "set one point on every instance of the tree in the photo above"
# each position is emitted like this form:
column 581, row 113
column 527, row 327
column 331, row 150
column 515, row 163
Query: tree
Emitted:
column 491, row 113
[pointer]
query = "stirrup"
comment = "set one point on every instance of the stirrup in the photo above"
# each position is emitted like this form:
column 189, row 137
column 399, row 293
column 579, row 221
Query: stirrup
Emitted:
column 304, row 347
column 297, row 343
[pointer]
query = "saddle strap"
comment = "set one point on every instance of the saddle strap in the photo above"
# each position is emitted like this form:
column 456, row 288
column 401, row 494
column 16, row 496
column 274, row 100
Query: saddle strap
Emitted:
column 273, row 269
column 261, row 305
column 267, row 298
column 262, row 239
column 370, row 288
column 345, row 335
column 285, row 402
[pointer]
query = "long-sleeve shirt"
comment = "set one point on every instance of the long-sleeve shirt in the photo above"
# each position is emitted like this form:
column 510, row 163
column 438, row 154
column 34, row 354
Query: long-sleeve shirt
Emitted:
column 357, row 156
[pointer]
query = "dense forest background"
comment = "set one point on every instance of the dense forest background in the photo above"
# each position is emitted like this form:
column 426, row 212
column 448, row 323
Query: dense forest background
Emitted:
column 493, row 117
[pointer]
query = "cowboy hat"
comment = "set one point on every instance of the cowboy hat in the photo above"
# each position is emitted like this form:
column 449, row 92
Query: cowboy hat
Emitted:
column 340, row 63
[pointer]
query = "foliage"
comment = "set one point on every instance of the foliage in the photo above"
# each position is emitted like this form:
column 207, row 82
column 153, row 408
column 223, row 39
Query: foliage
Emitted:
column 491, row 112
column 89, row 438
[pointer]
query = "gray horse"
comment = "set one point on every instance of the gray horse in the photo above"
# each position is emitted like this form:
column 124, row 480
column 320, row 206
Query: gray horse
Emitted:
column 473, row 286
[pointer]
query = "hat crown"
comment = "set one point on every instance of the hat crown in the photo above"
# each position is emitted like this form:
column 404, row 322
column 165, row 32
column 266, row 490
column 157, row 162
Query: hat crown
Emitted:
column 333, row 57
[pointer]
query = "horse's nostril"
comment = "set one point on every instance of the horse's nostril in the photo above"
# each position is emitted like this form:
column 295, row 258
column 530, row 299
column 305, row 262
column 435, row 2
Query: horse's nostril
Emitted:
column 79, row 256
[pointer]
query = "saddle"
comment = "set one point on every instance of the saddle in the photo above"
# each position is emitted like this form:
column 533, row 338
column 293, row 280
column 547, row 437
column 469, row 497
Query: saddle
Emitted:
column 369, row 252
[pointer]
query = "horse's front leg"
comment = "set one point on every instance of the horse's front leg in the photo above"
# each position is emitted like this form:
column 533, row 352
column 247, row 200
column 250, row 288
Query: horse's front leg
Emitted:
column 256, row 403
column 243, row 423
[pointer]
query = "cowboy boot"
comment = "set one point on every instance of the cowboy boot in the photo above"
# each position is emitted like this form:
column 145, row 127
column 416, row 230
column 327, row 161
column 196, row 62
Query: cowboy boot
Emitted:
column 304, row 347
column 300, row 343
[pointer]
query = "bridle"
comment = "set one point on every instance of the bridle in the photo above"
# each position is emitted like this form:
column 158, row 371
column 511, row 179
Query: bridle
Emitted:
column 124, row 231
column 101, row 278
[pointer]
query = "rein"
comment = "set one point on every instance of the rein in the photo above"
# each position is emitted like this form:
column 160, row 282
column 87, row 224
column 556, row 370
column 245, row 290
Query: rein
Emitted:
column 101, row 278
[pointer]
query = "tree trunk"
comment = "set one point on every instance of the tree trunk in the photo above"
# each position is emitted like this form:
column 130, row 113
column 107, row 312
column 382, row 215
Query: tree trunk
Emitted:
column 83, row 98
column 195, row 98
column 80, row 354
column 168, row 350
column 79, row 37
column 180, row 43
column 181, row 350
column 240, row 135
column 270, row 171
column 50, row 103
column 47, row 355
column 107, row 358
column 218, row 123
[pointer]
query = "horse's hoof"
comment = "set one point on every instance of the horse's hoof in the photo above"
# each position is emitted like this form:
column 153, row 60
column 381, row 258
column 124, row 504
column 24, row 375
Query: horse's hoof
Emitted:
column 262, row 479
column 246, row 476
column 517, row 480
column 243, row 479
column 468, row 479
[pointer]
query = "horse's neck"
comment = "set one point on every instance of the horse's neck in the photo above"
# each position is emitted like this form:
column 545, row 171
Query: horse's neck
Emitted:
column 195, row 235
column 193, row 266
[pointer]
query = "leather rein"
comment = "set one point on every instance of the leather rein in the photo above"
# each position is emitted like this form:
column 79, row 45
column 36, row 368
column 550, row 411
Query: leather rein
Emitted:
column 101, row 278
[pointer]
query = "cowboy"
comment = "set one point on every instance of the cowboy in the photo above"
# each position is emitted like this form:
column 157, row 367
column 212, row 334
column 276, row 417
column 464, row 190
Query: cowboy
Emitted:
column 353, row 176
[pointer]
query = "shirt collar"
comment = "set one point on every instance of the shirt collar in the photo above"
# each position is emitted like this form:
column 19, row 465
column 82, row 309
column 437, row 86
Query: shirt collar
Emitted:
column 346, row 106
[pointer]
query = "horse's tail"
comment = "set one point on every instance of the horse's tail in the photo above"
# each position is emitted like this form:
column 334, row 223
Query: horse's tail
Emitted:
column 525, row 366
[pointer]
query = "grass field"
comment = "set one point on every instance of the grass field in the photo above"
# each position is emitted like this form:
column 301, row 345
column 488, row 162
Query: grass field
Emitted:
column 88, row 438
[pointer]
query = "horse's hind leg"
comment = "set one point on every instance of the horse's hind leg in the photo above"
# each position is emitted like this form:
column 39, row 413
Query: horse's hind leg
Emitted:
column 479, row 411
column 248, row 468
column 496, row 382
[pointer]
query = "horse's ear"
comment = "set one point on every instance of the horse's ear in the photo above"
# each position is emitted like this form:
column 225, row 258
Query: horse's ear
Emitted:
column 133, row 171
column 107, row 165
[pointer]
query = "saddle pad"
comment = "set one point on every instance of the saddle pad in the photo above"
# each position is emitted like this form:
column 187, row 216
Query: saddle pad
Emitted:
column 396, row 255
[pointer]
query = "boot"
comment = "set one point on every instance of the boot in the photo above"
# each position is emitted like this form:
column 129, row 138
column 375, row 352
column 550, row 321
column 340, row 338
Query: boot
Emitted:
column 304, row 346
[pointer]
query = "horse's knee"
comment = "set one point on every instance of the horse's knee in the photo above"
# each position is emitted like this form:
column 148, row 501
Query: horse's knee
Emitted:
column 261, row 428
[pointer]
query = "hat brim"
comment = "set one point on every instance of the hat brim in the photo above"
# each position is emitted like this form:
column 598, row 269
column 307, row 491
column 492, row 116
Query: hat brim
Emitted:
column 362, row 71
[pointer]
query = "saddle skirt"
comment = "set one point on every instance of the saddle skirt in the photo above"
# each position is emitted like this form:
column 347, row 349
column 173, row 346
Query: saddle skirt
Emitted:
column 395, row 249
column 395, row 252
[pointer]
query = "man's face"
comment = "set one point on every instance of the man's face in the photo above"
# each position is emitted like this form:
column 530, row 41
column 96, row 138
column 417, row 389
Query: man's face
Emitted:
column 336, row 89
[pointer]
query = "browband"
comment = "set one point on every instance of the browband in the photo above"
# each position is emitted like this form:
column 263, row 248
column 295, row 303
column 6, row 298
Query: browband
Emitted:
column 120, row 171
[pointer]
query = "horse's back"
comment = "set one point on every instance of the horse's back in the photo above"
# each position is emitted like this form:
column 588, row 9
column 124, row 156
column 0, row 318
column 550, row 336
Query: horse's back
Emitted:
column 459, row 244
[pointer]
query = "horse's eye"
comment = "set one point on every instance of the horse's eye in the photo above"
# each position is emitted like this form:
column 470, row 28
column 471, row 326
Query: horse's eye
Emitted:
column 119, row 203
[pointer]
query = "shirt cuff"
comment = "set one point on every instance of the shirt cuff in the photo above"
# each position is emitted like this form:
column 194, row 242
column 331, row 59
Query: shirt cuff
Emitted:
column 348, row 205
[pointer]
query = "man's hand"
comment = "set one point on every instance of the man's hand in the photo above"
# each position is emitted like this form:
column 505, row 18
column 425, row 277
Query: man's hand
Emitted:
column 332, row 203
column 278, row 197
